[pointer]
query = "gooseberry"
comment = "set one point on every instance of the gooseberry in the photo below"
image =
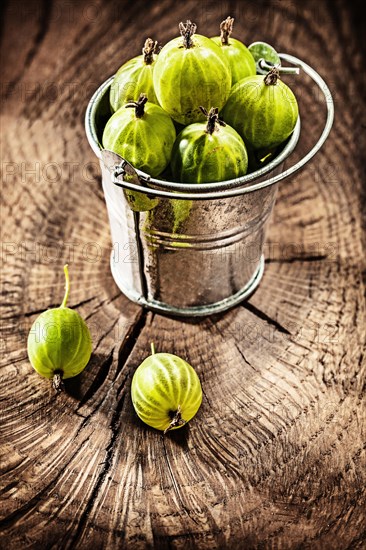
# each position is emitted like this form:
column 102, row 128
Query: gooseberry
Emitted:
column 135, row 77
column 208, row 152
column 263, row 110
column 143, row 134
column 166, row 391
column 59, row 342
column 190, row 71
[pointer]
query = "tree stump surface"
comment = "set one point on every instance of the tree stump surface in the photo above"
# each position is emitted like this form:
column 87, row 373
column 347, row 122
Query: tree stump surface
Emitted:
column 275, row 458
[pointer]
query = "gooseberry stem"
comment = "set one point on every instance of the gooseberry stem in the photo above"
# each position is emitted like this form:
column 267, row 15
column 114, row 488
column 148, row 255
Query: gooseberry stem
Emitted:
column 57, row 382
column 226, row 28
column 177, row 420
column 67, row 285
column 187, row 31
column 271, row 78
column 138, row 105
column 212, row 119
column 152, row 348
column 148, row 50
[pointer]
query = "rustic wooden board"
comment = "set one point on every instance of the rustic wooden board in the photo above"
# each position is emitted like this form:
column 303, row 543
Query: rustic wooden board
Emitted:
column 276, row 455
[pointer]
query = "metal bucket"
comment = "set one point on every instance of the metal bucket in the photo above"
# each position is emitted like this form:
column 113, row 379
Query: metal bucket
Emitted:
column 190, row 249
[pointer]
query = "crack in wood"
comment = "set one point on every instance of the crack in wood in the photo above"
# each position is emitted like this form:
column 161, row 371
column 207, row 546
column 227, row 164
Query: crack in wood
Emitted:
column 174, row 482
column 101, row 338
column 100, row 305
column 37, row 311
column 235, row 343
column 130, row 340
column 82, row 303
column 258, row 313
column 103, row 370
column 106, row 466
column 52, row 306
column 18, row 514
column 294, row 259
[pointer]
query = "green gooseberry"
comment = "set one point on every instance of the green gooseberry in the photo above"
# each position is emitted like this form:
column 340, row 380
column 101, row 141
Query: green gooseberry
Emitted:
column 166, row 391
column 59, row 342
column 190, row 71
column 263, row 110
column 135, row 77
column 143, row 134
column 208, row 152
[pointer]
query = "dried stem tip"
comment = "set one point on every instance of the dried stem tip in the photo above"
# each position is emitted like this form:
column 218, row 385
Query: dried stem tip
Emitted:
column 271, row 78
column 212, row 119
column 177, row 420
column 226, row 29
column 187, row 31
column 138, row 105
column 150, row 47
column 57, row 382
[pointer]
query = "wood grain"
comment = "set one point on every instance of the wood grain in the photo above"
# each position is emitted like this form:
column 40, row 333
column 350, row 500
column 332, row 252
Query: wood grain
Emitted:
column 276, row 455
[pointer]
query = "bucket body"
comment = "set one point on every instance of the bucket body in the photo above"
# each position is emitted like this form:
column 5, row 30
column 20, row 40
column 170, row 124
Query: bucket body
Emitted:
column 182, row 256
column 188, row 256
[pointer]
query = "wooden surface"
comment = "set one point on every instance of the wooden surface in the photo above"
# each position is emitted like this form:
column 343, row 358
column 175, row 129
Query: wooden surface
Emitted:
column 276, row 455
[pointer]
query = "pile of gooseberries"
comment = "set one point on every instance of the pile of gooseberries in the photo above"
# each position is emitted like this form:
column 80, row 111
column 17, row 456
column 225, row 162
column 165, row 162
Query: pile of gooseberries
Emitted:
column 196, row 111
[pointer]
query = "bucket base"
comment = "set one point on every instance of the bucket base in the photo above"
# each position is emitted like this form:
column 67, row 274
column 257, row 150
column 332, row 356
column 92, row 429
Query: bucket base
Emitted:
column 195, row 311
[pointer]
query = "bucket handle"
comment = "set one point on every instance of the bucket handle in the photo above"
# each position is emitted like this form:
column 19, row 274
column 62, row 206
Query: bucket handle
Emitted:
column 124, row 168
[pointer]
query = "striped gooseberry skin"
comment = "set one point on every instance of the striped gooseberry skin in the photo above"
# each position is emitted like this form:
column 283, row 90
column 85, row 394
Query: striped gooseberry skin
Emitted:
column 145, row 142
column 59, row 341
column 264, row 115
column 185, row 78
column 241, row 61
column 163, row 385
column 201, row 157
column 132, row 79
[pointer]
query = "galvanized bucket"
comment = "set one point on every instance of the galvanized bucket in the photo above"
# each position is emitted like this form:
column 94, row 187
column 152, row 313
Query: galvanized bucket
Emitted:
column 190, row 249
